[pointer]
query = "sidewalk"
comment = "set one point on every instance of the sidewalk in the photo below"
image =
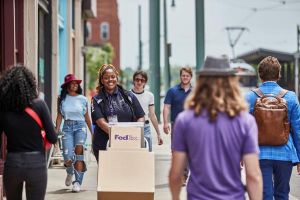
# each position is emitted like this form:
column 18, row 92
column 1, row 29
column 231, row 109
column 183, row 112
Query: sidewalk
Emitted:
column 56, row 177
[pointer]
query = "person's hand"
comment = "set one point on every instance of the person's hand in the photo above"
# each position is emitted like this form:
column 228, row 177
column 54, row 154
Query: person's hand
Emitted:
column 56, row 149
column 159, row 140
column 298, row 168
column 57, row 130
column 167, row 128
column 92, row 151
column 242, row 164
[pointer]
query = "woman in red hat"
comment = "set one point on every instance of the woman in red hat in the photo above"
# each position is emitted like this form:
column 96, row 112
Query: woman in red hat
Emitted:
column 73, row 108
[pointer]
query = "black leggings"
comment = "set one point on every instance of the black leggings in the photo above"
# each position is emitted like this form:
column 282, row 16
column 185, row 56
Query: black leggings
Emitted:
column 99, row 143
column 28, row 167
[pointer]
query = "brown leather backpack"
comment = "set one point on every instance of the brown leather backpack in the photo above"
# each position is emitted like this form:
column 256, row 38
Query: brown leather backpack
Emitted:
column 271, row 115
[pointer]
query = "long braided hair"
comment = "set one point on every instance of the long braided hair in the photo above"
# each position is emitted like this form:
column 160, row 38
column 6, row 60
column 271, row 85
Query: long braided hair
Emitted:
column 102, row 71
column 17, row 89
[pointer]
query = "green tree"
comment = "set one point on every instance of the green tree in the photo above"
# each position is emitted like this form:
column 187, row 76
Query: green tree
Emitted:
column 95, row 57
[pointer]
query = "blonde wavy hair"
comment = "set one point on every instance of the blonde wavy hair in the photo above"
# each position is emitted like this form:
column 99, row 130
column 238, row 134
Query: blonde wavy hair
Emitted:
column 216, row 94
column 102, row 71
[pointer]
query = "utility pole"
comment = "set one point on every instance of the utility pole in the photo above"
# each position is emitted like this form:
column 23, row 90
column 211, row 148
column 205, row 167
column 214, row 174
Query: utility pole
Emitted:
column 167, row 70
column 200, row 34
column 154, row 51
column 234, row 42
column 297, row 56
column 140, row 38
column 298, row 38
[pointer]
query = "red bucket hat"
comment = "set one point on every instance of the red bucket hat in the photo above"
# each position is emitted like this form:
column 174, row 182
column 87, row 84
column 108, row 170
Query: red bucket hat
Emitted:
column 69, row 78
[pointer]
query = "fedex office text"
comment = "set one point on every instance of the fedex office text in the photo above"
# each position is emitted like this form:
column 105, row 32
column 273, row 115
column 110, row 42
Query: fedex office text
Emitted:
column 126, row 137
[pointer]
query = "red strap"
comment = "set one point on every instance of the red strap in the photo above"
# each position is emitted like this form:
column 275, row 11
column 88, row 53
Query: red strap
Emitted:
column 35, row 116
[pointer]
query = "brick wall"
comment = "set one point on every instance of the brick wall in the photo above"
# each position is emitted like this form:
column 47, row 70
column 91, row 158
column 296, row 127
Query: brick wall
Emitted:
column 107, row 11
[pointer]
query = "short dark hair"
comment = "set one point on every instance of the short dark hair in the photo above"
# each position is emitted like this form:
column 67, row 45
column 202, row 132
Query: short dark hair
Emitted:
column 186, row 69
column 269, row 69
column 142, row 73
column 17, row 89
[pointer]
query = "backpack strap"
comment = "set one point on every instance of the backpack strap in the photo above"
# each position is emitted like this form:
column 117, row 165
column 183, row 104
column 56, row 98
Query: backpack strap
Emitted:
column 258, row 92
column 282, row 93
column 126, row 95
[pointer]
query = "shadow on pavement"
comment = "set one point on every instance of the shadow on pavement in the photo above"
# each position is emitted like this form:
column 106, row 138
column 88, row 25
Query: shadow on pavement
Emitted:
column 161, row 186
column 61, row 191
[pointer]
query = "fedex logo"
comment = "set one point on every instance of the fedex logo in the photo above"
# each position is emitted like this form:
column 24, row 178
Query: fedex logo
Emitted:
column 126, row 137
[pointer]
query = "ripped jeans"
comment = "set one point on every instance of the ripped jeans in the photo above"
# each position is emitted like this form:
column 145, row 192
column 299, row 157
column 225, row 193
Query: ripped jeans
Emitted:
column 148, row 136
column 74, row 137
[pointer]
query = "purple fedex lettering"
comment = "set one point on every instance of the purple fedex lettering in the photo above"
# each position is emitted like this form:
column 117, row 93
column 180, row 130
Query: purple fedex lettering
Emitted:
column 119, row 137
column 125, row 137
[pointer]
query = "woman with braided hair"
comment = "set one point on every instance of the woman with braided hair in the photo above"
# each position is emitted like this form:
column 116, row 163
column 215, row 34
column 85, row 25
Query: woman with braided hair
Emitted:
column 110, row 105
column 26, row 161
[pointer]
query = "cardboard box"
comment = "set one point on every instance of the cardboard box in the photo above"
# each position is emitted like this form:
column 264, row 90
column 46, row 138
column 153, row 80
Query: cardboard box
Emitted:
column 127, row 135
column 126, row 175
column 125, row 196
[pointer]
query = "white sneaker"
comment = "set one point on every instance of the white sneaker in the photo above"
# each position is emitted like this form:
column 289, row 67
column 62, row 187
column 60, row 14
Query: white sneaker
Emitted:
column 76, row 187
column 68, row 181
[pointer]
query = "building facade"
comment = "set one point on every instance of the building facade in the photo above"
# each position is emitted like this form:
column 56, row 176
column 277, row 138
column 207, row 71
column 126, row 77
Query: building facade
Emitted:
column 105, row 28
column 47, row 37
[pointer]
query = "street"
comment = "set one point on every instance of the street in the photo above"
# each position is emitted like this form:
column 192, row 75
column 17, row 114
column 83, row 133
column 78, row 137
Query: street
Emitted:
column 295, row 185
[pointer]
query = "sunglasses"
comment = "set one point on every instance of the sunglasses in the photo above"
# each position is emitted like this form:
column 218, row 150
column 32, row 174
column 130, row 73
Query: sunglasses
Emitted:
column 140, row 79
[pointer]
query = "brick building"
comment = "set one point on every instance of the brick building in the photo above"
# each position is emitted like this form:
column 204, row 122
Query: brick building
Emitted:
column 105, row 28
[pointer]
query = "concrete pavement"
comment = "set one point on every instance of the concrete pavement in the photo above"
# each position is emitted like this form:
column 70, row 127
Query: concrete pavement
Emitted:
column 57, row 190
column 56, row 177
column 295, row 185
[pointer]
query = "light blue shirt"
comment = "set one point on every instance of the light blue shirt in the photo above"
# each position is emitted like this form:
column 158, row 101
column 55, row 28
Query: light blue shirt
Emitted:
column 74, row 107
column 291, row 150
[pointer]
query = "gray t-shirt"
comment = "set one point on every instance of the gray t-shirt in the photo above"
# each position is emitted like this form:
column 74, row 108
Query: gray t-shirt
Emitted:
column 214, row 152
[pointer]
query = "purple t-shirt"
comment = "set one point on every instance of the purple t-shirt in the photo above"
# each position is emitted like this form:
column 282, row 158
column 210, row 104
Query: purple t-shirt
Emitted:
column 214, row 152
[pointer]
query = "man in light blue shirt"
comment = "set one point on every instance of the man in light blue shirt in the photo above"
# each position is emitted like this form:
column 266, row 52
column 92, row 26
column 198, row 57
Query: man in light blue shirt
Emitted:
column 276, row 162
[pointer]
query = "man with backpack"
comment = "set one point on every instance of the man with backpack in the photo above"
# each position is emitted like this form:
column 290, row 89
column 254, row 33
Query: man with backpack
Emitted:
column 277, row 114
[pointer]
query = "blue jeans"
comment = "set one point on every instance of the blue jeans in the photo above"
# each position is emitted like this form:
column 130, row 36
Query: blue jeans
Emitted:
column 74, row 133
column 147, row 135
column 276, row 179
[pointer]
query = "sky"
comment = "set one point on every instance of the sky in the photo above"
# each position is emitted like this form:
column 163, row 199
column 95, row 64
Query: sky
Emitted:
column 271, row 24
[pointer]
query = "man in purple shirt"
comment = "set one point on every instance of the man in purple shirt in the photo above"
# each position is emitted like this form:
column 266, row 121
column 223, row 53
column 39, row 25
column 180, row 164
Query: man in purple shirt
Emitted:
column 214, row 134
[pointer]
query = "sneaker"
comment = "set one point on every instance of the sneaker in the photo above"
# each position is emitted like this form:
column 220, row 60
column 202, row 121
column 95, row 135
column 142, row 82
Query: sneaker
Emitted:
column 68, row 181
column 76, row 187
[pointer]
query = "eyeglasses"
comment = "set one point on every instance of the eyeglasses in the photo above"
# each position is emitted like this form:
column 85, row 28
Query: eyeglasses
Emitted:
column 140, row 79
